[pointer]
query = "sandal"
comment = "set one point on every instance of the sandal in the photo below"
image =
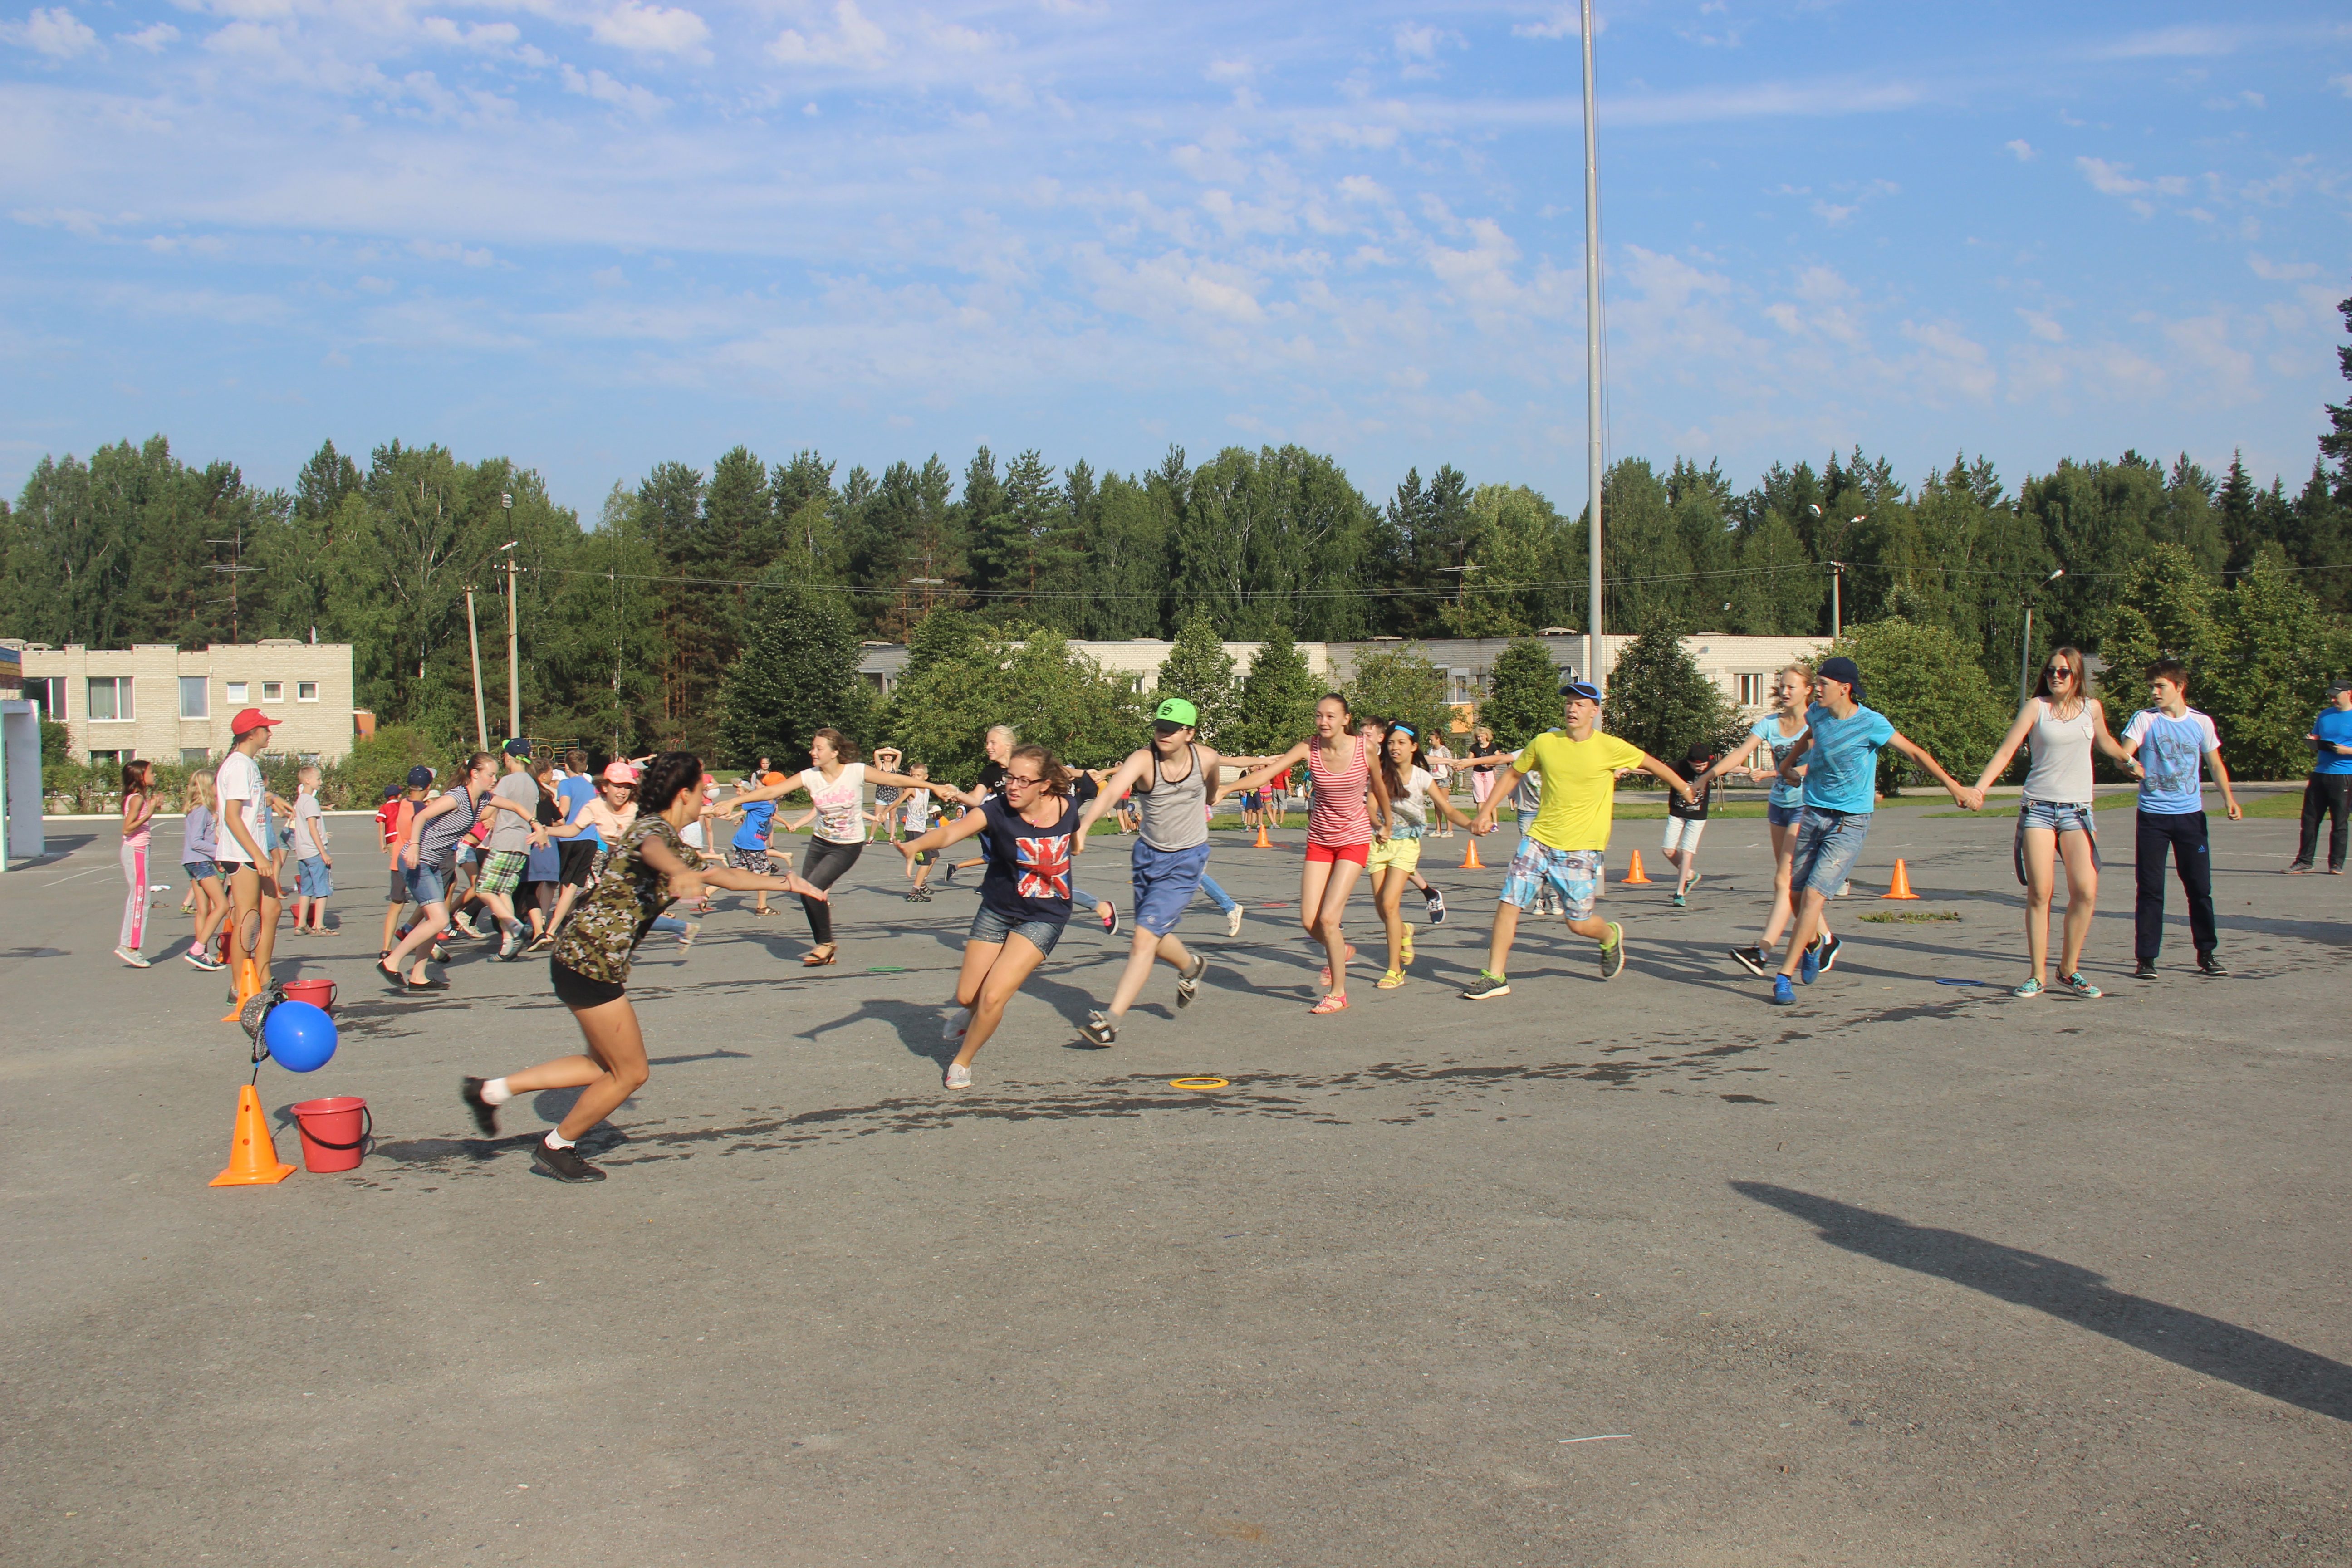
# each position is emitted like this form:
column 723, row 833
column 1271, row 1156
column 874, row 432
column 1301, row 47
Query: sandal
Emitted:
column 814, row 960
column 1333, row 1003
column 1391, row 980
column 1349, row 956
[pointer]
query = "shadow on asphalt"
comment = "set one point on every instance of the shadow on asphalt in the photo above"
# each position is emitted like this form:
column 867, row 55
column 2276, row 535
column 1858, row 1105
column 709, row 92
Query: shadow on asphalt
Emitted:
column 2076, row 1295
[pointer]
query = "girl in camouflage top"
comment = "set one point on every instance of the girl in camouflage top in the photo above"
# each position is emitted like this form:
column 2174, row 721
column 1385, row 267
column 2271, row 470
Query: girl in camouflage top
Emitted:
column 650, row 866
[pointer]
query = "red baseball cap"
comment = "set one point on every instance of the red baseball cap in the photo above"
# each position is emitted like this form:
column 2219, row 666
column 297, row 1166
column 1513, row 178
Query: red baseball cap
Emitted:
column 250, row 719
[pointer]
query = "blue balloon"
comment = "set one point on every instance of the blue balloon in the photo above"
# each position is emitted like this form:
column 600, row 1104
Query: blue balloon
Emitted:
column 298, row 1037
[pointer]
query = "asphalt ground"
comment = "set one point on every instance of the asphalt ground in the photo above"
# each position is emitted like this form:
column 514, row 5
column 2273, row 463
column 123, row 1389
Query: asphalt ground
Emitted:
column 1645, row 1272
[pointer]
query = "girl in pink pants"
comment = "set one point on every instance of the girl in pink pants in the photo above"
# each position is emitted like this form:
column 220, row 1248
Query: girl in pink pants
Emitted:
column 138, row 808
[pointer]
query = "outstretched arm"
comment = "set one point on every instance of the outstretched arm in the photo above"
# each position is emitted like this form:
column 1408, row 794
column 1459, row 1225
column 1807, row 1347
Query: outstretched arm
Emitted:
column 1505, row 782
column 2104, row 741
column 2222, row 777
column 1120, row 778
column 1731, row 760
column 1966, row 798
column 1271, row 768
column 946, row 832
column 2010, row 742
column 1668, row 777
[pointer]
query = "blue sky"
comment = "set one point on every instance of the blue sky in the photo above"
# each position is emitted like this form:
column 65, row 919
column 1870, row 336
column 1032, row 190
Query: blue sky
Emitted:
column 593, row 235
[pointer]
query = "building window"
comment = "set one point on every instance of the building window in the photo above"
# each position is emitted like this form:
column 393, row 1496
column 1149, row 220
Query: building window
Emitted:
column 109, row 697
column 49, row 691
column 305, row 691
column 195, row 697
column 273, row 691
column 1751, row 691
column 194, row 757
column 108, row 759
column 236, row 691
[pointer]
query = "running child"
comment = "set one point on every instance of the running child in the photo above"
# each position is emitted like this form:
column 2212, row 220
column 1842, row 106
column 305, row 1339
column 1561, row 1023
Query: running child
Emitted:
column 650, row 865
column 400, row 801
column 835, row 783
column 249, row 860
column 1170, row 784
column 1030, row 825
column 2174, row 737
column 198, row 829
column 920, row 807
column 1566, row 848
column 314, row 882
column 139, row 804
column 1839, row 752
column 1339, row 830
column 576, row 852
column 747, row 849
column 1686, row 820
column 428, row 854
column 1776, row 735
column 512, row 810
column 1395, row 859
column 2064, row 724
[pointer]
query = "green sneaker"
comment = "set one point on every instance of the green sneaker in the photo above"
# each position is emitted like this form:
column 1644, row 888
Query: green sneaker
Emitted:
column 1612, row 951
column 1487, row 987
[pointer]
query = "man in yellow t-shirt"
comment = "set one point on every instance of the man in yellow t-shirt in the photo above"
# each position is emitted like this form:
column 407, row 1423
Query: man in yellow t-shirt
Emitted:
column 1568, row 839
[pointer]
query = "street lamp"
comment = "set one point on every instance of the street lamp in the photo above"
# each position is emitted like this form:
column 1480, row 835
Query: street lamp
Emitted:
column 2025, row 641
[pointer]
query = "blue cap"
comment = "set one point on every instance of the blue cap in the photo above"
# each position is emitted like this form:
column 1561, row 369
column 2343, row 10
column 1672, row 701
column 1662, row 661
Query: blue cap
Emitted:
column 420, row 777
column 1583, row 689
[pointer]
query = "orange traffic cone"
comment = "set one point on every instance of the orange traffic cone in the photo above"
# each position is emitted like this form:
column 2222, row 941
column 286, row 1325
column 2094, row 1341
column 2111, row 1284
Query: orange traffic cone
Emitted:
column 1470, row 861
column 1901, row 889
column 248, row 985
column 252, row 1154
column 1263, row 841
column 1633, row 875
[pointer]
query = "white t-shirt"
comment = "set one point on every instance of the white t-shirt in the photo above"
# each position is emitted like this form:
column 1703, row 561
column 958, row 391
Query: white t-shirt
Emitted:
column 309, row 824
column 1412, row 809
column 838, row 805
column 238, row 782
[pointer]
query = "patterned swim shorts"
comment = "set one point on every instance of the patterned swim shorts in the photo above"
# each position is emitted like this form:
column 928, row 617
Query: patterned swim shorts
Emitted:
column 1574, row 873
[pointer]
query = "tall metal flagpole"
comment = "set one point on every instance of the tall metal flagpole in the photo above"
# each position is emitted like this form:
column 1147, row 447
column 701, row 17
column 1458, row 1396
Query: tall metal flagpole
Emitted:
column 1596, row 668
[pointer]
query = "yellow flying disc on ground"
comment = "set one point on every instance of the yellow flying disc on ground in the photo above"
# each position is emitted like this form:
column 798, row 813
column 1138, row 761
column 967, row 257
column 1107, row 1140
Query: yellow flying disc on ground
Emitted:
column 1196, row 1083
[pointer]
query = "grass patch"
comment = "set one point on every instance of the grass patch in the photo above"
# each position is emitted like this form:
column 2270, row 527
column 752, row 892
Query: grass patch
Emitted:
column 1908, row 917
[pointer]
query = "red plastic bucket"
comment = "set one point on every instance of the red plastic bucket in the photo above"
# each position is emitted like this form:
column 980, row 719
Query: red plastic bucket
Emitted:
column 319, row 994
column 333, row 1131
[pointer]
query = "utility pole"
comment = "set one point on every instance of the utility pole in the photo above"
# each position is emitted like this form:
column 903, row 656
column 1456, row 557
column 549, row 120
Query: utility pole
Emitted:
column 1596, row 669
column 238, row 569
column 514, row 667
column 1837, row 598
column 2025, row 643
column 474, row 641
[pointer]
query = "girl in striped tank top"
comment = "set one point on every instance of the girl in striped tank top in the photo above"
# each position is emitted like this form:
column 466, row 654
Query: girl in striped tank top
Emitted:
column 1339, row 830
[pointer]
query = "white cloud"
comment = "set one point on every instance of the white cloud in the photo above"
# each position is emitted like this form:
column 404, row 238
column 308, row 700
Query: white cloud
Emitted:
column 1230, row 71
column 451, row 250
column 2277, row 272
column 605, row 89
column 2342, row 84
column 2022, row 150
column 488, row 37
column 2171, row 42
column 1415, row 43
column 2110, row 179
column 652, row 30
column 2043, row 325
column 152, row 39
column 55, row 33
column 1564, row 23
column 854, row 41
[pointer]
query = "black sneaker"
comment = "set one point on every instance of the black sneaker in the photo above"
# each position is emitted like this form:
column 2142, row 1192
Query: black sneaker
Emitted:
column 1830, row 946
column 1613, row 954
column 563, row 1164
column 486, row 1115
column 1752, row 959
column 2144, row 969
column 1188, row 981
column 1487, row 987
column 2211, row 965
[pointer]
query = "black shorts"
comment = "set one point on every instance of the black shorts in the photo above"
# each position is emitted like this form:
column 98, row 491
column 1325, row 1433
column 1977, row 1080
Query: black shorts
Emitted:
column 574, row 989
column 397, row 893
column 575, row 857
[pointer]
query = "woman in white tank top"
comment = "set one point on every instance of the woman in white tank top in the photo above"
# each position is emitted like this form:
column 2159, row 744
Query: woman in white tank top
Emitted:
column 2062, row 724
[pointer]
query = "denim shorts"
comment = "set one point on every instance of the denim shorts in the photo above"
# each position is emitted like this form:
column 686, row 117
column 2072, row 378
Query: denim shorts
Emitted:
column 198, row 870
column 1783, row 816
column 2058, row 816
column 427, row 884
column 1827, row 845
column 311, row 877
column 1575, row 873
column 1165, row 882
column 990, row 927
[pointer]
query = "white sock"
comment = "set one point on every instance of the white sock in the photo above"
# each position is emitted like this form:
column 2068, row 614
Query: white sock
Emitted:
column 556, row 1140
column 496, row 1092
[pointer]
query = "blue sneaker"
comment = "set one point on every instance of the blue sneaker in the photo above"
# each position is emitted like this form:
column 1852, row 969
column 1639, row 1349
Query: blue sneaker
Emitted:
column 1808, row 964
column 1783, row 994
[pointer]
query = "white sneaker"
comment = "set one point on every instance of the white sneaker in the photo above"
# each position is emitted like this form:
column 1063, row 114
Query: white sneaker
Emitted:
column 1234, row 920
column 958, row 1021
column 130, row 958
column 959, row 1075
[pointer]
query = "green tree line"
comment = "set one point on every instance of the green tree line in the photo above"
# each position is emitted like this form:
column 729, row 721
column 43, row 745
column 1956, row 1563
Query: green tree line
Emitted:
column 633, row 620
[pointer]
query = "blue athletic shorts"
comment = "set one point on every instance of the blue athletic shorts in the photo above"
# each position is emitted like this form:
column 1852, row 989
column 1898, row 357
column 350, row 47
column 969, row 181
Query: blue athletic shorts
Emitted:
column 1575, row 873
column 311, row 878
column 1827, row 845
column 1165, row 882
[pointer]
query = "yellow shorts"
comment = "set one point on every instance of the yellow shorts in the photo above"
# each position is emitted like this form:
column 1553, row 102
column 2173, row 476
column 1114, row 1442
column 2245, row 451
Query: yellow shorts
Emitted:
column 1405, row 854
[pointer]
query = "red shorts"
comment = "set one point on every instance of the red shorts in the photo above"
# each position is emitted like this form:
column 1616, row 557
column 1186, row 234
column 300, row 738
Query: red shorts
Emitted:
column 1328, row 853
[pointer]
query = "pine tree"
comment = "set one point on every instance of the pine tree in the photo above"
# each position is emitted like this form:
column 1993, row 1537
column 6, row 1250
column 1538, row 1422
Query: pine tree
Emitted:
column 1400, row 684
column 797, row 673
column 1659, row 700
column 1278, row 696
column 2337, row 442
column 1523, row 693
column 1929, row 689
column 1198, row 670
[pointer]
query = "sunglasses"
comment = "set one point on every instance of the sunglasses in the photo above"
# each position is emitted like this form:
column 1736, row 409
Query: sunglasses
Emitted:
column 2060, row 671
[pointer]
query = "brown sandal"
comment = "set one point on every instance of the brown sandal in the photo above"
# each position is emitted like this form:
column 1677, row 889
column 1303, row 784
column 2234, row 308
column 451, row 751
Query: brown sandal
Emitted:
column 814, row 960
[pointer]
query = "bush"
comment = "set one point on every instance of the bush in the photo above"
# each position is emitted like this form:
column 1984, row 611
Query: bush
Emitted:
column 1932, row 690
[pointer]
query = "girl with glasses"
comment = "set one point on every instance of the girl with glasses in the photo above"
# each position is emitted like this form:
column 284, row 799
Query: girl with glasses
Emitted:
column 1024, row 895
column 2062, row 724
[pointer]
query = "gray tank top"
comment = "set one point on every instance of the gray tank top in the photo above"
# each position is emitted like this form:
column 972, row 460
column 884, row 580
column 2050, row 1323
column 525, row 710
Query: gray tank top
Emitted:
column 2060, row 773
column 1174, row 812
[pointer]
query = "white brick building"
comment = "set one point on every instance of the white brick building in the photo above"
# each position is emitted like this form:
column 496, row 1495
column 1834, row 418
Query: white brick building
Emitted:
column 170, row 704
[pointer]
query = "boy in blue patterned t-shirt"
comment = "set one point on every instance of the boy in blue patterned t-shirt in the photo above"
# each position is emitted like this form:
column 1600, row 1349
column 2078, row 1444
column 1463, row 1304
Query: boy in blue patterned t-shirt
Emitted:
column 2169, row 738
